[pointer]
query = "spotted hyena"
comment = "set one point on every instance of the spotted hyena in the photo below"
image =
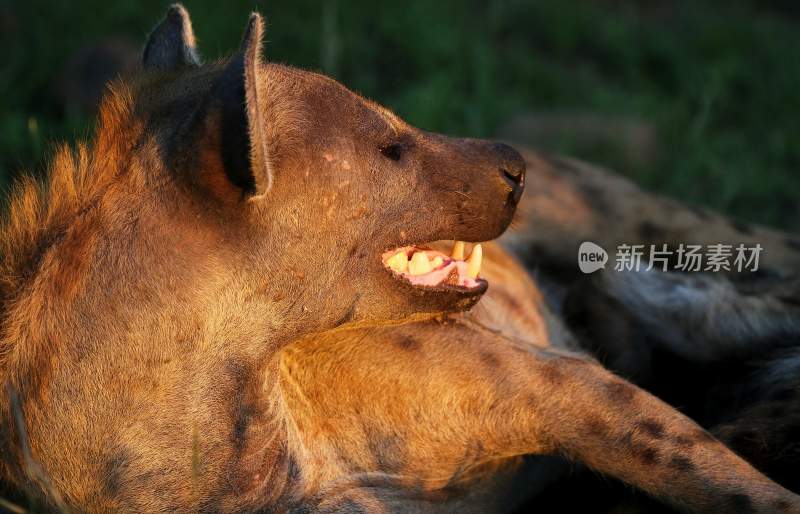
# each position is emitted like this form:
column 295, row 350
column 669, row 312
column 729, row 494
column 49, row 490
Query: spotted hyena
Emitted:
column 720, row 346
column 201, row 308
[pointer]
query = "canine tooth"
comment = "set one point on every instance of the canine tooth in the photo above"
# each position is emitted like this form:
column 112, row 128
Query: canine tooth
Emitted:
column 398, row 262
column 419, row 264
column 474, row 261
column 436, row 262
column 458, row 250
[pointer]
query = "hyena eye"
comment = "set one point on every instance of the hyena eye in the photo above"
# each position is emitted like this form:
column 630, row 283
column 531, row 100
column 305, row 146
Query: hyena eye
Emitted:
column 393, row 151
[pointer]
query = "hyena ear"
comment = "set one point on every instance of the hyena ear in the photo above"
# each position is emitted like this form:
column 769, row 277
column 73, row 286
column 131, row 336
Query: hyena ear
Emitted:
column 171, row 45
column 241, row 91
column 255, row 98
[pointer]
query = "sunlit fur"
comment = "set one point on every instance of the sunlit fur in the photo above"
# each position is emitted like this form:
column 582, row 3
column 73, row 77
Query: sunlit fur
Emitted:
column 174, row 344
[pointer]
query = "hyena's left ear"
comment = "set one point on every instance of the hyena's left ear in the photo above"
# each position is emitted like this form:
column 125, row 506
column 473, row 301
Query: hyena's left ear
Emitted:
column 255, row 98
column 245, row 136
column 171, row 45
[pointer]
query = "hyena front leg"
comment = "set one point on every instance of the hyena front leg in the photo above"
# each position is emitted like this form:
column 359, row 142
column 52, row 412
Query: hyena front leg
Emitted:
column 432, row 406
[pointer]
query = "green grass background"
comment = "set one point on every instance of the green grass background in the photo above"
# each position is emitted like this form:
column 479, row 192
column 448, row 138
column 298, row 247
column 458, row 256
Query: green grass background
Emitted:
column 719, row 80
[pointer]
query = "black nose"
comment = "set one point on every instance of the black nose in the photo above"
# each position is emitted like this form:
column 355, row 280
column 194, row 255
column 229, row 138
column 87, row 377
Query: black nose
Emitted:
column 512, row 169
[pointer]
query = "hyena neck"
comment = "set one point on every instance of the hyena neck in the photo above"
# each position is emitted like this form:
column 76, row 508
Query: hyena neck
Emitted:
column 110, row 252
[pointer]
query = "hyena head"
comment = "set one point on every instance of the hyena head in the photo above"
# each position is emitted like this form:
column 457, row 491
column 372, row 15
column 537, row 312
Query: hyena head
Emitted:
column 323, row 185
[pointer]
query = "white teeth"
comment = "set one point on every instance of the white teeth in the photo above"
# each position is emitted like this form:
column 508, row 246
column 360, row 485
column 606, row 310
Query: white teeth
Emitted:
column 474, row 261
column 398, row 262
column 458, row 250
column 423, row 262
column 419, row 264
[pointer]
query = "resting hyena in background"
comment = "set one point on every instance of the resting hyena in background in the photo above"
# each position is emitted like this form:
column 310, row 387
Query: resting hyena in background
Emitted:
column 722, row 347
column 197, row 311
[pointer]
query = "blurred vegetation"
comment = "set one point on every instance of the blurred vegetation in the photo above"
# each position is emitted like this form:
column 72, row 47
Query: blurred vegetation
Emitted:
column 718, row 80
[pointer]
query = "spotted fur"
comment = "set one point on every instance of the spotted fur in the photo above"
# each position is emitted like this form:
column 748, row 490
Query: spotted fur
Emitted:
column 150, row 280
column 722, row 347
column 171, row 336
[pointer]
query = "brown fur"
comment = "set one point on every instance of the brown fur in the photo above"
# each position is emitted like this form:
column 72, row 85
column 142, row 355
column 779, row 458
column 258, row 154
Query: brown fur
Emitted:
column 158, row 270
column 455, row 401
column 721, row 347
column 184, row 334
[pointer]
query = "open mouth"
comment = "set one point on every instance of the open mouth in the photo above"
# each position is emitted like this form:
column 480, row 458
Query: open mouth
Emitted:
column 423, row 267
